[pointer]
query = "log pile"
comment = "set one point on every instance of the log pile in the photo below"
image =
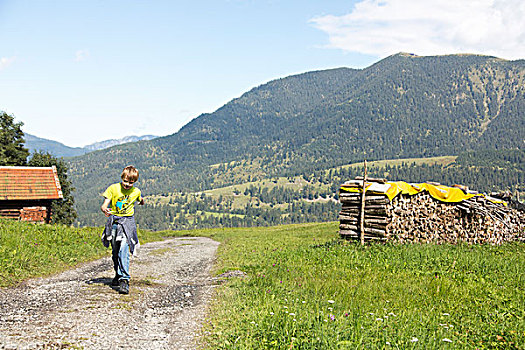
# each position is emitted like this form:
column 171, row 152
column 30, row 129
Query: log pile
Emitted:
column 376, row 217
column 33, row 214
column 420, row 218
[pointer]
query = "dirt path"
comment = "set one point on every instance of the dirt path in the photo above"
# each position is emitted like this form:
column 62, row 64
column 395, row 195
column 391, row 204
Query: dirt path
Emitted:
column 77, row 309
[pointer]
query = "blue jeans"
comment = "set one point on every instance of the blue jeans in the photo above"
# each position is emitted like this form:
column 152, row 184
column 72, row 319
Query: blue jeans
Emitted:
column 120, row 252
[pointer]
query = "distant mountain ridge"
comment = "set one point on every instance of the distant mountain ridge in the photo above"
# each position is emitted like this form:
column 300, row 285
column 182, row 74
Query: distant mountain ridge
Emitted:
column 35, row 143
column 57, row 149
column 403, row 106
column 113, row 142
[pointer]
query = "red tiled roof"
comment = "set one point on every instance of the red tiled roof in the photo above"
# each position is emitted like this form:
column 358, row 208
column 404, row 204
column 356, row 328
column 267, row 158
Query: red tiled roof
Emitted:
column 22, row 183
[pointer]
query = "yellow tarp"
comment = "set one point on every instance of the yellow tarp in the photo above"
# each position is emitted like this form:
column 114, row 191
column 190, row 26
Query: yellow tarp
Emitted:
column 439, row 192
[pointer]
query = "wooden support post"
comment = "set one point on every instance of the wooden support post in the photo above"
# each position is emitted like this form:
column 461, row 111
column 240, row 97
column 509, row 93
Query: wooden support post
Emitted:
column 362, row 218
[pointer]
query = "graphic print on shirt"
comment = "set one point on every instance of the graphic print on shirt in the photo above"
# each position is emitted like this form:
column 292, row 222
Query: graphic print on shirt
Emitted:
column 122, row 204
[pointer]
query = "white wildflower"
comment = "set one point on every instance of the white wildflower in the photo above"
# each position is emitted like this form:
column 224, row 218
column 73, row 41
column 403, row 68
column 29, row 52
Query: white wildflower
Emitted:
column 414, row 339
column 447, row 340
column 331, row 301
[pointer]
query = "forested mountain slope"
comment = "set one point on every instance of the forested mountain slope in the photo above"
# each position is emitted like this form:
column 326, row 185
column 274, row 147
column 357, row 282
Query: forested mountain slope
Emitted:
column 403, row 106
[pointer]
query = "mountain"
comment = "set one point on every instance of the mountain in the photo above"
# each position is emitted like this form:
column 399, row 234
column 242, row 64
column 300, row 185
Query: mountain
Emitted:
column 34, row 143
column 113, row 142
column 57, row 149
column 403, row 106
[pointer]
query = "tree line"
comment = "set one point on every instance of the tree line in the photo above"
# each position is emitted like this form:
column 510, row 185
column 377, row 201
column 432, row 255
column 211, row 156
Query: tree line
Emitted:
column 484, row 171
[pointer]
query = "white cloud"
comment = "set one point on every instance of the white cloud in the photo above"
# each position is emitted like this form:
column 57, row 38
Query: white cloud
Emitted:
column 81, row 55
column 429, row 27
column 6, row 62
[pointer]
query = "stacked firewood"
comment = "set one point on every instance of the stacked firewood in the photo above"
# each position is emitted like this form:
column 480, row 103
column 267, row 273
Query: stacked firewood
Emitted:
column 422, row 219
column 492, row 223
column 33, row 214
column 376, row 217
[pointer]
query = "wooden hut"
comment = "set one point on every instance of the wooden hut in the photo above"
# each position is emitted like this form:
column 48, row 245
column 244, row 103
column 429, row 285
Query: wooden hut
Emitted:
column 26, row 193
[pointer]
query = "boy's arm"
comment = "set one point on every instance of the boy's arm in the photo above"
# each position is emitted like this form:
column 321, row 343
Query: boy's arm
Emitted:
column 140, row 199
column 105, row 208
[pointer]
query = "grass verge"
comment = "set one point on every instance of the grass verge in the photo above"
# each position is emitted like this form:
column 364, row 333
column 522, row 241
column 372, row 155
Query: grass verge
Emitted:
column 29, row 250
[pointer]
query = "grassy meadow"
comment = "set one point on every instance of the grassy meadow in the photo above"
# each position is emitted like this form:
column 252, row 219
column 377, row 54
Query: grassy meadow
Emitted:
column 306, row 289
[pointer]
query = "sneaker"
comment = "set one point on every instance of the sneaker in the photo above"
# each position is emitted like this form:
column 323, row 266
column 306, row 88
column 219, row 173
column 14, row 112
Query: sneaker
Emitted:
column 115, row 281
column 123, row 287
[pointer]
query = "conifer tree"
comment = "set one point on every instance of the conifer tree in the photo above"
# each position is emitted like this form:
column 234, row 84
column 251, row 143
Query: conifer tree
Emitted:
column 12, row 150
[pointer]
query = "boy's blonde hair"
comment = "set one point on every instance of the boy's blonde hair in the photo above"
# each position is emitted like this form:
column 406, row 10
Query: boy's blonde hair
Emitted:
column 130, row 173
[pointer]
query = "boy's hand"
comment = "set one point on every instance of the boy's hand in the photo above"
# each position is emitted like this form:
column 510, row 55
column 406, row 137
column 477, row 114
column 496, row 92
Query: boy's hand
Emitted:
column 105, row 208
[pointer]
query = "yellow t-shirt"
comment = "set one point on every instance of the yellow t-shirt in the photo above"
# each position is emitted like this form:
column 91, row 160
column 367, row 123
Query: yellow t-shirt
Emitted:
column 122, row 200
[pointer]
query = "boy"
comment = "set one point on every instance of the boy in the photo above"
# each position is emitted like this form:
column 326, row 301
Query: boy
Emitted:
column 121, row 229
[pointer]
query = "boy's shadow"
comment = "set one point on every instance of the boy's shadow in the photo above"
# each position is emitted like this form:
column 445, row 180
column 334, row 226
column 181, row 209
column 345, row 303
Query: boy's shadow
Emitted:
column 102, row 280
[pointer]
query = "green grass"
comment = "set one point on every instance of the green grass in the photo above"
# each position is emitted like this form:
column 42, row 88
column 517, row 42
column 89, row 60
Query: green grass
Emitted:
column 297, row 184
column 31, row 250
column 306, row 289
column 443, row 160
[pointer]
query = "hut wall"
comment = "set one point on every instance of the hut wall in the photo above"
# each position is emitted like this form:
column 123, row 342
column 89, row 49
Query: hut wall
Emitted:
column 33, row 211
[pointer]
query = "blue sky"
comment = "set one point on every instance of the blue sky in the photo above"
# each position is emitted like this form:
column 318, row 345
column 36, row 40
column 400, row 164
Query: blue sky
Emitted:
column 87, row 70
